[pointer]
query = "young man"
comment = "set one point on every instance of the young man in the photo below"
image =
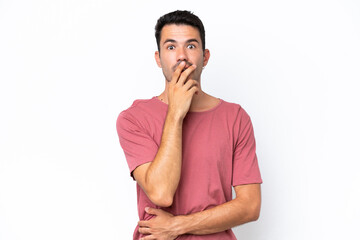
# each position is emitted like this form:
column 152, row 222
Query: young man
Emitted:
column 187, row 149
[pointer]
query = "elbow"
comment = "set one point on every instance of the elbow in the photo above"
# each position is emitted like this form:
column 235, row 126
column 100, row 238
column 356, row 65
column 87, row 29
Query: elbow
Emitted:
column 254, row 213
column 255, row 216
column 159, row 195
column 161, row 200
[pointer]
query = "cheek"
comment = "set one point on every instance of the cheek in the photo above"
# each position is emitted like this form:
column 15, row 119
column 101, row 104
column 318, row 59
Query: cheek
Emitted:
column 200, row 62
column 199, row 71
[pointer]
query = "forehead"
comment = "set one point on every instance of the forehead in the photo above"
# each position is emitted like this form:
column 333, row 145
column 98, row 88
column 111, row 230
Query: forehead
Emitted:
column 179, row 32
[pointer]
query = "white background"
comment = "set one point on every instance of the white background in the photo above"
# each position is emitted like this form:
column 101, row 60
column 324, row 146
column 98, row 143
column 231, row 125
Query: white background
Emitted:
column 68, row 68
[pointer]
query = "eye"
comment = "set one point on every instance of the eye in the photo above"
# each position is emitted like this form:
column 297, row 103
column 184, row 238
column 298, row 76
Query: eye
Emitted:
column 191, row 46
column 171, row 47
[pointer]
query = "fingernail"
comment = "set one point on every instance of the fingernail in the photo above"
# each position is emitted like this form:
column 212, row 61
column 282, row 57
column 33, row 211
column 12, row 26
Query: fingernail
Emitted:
column 182, row 63
column 194, row 66
column 147, row 209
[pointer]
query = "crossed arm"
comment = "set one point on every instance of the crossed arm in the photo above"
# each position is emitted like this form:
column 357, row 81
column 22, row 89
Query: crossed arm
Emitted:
column 159, row 180
column 244, row 208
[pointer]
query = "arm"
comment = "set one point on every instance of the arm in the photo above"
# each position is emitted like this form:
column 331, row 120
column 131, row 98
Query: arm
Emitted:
column 160, row 178
column 244, row 208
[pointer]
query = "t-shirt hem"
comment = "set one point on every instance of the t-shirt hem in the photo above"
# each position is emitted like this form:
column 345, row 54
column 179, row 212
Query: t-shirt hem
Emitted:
column 137, row 165
column 257, row 181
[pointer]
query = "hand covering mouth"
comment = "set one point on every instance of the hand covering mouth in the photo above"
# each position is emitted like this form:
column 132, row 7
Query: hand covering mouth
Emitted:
column 188, row 64
column 186, row 67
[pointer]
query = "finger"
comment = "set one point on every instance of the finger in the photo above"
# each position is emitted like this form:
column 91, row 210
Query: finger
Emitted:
column 177, row 72
column 152, row 211
column 191, row 83
column 143, row 223
column 184, row 75
column 193, row 90
column 144, row 230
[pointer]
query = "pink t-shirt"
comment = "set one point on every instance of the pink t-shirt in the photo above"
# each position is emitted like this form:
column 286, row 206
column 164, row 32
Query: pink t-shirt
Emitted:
column 218, row 153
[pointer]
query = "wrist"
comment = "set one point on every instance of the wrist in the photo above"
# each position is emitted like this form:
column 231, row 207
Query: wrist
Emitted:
column 182, row 224
column 175, row 117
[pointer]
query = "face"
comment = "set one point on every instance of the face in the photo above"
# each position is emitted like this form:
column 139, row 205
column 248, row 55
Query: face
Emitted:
column 181, row 43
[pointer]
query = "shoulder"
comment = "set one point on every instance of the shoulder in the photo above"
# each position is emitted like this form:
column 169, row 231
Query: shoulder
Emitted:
column 133, row 113
column 143, row 113
column 233, row 108
column 138, row 107
column 236, row 114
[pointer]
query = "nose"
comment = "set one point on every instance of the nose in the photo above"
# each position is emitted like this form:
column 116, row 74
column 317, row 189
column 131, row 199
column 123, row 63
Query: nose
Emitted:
column 181, row 54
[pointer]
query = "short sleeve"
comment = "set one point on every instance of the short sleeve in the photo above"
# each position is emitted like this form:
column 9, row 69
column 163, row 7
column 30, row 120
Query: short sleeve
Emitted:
column 138, row 146
column 245, row 164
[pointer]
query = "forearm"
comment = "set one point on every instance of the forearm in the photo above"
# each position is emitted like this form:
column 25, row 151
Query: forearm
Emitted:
column 219, row 218
column 163, row 174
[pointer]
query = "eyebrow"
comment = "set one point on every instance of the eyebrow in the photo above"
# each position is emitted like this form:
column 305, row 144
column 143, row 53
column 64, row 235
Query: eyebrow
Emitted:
column 188, row 41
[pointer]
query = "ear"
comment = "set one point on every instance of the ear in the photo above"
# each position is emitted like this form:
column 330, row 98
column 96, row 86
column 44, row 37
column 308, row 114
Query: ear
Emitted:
column 206, row 57
column 157, row 58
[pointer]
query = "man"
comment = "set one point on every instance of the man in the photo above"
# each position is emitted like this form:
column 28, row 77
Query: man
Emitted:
column 187, row 149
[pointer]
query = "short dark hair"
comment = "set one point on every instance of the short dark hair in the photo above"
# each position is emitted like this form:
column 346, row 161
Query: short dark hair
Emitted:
column 180, row 17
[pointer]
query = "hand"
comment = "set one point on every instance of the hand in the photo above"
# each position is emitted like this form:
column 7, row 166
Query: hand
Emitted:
column 164, row 226
column 181, row 90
